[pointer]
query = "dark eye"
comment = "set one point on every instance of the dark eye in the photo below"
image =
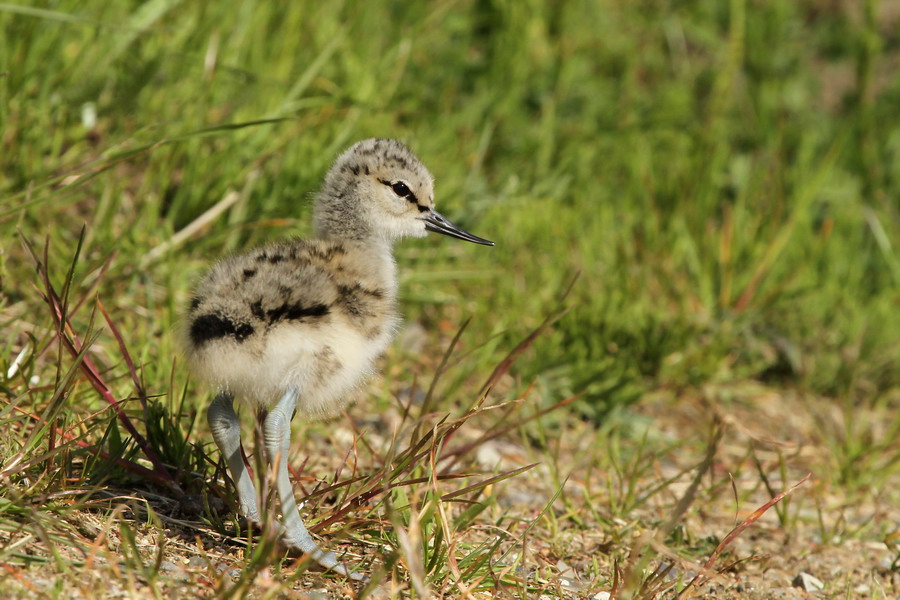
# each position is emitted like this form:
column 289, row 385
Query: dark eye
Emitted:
column 401, row 189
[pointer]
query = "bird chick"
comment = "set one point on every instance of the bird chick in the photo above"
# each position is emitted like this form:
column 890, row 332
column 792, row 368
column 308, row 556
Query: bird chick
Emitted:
column 296, row 326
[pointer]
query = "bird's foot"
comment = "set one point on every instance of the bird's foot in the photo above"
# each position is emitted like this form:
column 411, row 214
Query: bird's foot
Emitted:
column 251, row 515
column 327, row 560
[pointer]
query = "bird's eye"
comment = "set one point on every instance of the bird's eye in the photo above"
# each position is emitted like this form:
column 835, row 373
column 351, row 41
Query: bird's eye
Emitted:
column 401, row 189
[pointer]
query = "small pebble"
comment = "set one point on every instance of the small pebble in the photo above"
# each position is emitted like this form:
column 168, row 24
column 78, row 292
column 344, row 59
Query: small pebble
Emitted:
column 488, row 455
column 196, row 562
column 168, row 566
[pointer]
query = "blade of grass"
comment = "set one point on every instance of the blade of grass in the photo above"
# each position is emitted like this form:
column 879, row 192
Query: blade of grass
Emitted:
column 699, row 578
column 69, row 340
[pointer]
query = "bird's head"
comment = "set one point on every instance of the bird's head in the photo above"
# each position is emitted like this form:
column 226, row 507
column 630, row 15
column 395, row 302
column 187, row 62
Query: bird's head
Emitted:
column 379, row 188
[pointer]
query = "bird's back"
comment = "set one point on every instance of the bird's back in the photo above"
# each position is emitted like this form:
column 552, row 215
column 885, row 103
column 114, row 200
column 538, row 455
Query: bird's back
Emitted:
column 310, row 314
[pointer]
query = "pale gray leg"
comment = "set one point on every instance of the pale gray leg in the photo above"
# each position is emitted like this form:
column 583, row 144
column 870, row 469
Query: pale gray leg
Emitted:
column 226, row 430
column 277, row 432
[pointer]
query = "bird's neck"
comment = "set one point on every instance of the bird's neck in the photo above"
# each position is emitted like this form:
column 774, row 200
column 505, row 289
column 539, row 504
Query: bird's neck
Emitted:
column 369, row 262
column 339, row 216
column 338, row 220
column 360, row 238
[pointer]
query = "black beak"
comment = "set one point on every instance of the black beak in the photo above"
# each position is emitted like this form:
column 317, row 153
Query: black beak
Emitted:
column 438, row 223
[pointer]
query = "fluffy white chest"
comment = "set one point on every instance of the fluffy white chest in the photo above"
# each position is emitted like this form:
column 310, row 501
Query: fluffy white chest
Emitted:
column 324, row 364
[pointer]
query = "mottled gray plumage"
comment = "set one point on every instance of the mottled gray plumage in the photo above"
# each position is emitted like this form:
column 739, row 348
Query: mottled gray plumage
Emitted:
column 295, row 326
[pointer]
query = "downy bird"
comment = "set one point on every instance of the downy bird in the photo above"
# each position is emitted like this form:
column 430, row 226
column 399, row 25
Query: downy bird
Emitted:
column 294, row 327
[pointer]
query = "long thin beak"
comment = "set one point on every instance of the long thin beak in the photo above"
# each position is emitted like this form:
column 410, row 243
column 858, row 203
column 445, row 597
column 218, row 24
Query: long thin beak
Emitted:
column 438, row 223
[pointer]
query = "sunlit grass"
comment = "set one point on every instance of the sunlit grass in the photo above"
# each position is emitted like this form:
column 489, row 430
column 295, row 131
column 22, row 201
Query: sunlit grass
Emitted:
column 719, row 181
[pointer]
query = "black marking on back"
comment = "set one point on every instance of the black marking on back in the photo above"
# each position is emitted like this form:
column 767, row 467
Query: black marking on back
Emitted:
column 287, row 311
column 355, row 301
column 257, row 310
column 292, row 312
column 211, row 326
column 249, row 273
column 195, row 302
column 265, row 257
column 357, row 289
column 325, row 254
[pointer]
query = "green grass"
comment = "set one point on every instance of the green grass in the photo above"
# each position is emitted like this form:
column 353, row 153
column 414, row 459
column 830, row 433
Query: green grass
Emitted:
column 719, row 179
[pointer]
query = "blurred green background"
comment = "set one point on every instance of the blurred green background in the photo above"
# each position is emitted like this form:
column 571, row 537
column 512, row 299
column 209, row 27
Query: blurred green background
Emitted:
column 723, row 177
